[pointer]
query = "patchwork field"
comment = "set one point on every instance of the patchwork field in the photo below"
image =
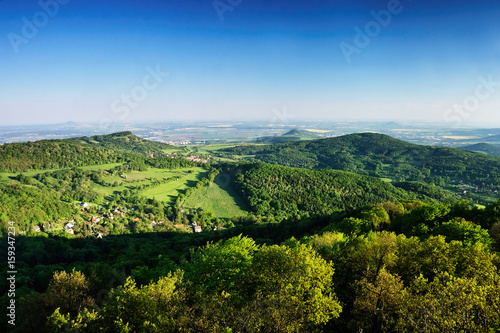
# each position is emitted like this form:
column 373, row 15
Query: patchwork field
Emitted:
column 179, row 181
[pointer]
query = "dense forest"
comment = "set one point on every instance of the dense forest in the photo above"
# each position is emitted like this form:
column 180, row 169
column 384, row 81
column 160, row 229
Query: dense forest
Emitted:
column 99, row 247
column 276, row 190
column 51, row 154
column 407, row 266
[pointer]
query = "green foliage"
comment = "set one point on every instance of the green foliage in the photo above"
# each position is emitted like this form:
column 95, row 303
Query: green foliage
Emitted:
column 466, row 232
column 222, row 266
column 151, row 308
column 69, row 291
column 29, row 206
column 450, row 304
column 232, row 285
column 294, row 291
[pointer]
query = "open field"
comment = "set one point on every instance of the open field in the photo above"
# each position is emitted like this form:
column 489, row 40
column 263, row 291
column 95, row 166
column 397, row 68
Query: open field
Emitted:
column 168, row 192
column 182, row 179
column 218, row 198
column 31, row 173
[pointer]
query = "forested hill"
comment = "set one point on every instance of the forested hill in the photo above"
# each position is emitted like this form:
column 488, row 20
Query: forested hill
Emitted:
column 123, row 141
column 381, row 156
column 48, row 154
column 293, row 135
column 272, row 189
column 487, row 148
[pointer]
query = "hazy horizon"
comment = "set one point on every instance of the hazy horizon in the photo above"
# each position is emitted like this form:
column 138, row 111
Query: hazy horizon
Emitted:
column 193, row 60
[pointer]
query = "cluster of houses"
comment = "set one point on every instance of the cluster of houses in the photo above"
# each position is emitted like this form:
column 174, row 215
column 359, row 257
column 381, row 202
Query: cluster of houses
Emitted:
column 69, row 227
column 45, row 227
column 197, row 159
column 464, row 188
column 196, row 228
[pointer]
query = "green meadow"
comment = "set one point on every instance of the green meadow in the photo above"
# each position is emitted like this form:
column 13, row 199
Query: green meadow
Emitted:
column 31, row 173
column 180, row 180
column 218, row 198
column 168, row 192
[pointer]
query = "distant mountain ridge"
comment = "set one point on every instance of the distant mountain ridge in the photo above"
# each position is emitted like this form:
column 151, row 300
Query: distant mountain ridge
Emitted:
column 292, row 135
column 487, row 148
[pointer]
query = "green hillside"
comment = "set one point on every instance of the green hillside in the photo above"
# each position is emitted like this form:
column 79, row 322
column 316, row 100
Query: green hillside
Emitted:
column 381, row 156
column 487, row 148
column 219, row 198
column 272, row 189
column 52, row 154
column 76, row 152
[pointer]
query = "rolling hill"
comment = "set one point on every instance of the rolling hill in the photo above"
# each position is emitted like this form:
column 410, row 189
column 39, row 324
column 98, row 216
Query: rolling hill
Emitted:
column 380, row 156
column 83, row 151
column 487, row 148
column 123, row 141
column 274, row 189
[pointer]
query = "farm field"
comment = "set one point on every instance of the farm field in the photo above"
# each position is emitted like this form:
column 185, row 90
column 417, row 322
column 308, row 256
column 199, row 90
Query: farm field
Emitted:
column 165, row 192
column 218, row 198
column 168, row 192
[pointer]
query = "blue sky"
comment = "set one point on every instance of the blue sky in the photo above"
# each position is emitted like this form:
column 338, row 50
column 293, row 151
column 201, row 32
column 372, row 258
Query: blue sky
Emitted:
column 85, row 57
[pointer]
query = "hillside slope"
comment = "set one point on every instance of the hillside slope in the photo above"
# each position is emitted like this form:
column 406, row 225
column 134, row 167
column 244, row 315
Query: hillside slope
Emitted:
column 487, row 148
column 273, row 189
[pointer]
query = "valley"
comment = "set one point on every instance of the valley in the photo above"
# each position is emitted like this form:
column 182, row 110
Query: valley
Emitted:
column 151, row 211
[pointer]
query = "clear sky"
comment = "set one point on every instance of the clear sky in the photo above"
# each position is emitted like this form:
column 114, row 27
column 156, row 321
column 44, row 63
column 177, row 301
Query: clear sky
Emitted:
column 94, row 61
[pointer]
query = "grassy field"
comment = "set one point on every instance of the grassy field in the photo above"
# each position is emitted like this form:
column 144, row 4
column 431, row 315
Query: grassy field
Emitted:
column 168, row 192
column 31, row 173
column 218, row 198
column 165, row 192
